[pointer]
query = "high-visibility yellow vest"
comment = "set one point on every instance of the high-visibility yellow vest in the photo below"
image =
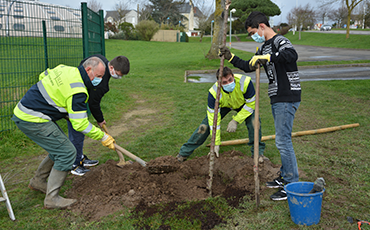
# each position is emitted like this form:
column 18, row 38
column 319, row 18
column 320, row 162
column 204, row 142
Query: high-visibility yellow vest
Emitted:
column 52, row 99
column 234, row 100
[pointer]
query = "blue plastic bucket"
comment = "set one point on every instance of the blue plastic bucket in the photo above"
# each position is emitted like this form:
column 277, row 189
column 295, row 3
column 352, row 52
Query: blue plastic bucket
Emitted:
column 305, row 207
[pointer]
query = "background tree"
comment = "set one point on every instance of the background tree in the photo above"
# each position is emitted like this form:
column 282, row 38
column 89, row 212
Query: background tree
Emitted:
column 147, row 29
column 110, row 27
column 350, row 4
column 122, row 7
column 304, row 16
column 94, row 5
column 245, row 7
column 145, row 12
column 367, row 14
column 339, row 16
column 164, row 10
column 206, row 17
column 218, row 29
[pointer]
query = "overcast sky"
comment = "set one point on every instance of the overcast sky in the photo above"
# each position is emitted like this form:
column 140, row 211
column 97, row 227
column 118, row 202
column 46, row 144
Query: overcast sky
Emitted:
column 284, row 5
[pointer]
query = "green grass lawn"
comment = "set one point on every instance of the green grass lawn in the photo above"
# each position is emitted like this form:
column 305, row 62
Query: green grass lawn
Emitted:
column 155, row 84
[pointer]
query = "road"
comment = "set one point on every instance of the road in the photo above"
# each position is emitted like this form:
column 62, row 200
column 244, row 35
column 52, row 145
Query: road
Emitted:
column 314, row 53
column 361, row 32
column 312, row 73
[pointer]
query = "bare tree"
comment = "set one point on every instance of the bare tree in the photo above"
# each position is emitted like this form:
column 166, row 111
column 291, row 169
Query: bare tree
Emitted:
column 94, row 5
column 339, row 16
column 122, row 7
column 323, row 12
column 145, row 11
column 350, row 4
column 302, row 16
column 205, row 18
column 367, row 14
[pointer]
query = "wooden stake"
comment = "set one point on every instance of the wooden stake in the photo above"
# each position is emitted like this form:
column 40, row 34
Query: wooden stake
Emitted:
column 256, row 136
column 212, row 151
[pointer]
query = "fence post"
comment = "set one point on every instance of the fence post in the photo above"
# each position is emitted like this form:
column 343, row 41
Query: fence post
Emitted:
column 101, row 12
column 85, row 32
column 45, row 44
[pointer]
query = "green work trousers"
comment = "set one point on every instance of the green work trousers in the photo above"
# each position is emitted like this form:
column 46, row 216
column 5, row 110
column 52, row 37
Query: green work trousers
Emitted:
column 200, row 135
column 50, row 137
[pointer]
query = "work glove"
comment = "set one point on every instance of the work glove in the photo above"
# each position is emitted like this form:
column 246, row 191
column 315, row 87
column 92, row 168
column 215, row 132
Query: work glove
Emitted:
column 259, row 59
column 233, row 125
column 223, row 50
column 217, row 151
column 108, row 141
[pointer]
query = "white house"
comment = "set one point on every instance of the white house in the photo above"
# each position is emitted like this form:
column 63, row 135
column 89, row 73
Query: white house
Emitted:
column 131, row 16
column 192, row 13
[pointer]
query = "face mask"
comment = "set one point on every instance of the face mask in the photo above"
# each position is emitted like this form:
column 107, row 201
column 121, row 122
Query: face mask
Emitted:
column 229, row 87
column 114, row 75
column 96, row 81
column 256, row 37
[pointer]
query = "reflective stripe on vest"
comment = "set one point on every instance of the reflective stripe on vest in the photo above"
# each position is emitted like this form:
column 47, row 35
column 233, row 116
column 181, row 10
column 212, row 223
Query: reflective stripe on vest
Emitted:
column 215, row 89
column 32, row 112
column 250, row 99
column 77, row 84
column 88, row 129
column 48, row 99
column 77, row 115
column 211, row 127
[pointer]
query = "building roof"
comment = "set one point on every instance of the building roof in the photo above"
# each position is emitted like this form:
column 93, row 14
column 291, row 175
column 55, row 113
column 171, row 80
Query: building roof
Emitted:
column 186, row 7
column 114, row 14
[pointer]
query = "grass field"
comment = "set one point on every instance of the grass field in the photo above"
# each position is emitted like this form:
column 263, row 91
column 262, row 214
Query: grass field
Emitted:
column 174, row 109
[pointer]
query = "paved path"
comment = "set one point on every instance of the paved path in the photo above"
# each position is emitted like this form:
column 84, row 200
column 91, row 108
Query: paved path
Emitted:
column 314, row 53
column 311, row 73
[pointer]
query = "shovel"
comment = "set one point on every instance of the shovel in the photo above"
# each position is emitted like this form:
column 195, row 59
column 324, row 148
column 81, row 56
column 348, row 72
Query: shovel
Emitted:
column 121, row 150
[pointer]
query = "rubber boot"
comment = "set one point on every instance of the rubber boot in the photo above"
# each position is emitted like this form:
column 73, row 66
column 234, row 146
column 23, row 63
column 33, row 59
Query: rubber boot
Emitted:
column 52, row 198
column 38, row 182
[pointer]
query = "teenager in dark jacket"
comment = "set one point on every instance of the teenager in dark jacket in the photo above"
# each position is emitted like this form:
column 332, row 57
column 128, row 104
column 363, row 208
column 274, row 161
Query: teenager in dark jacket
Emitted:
column 279, row 59
column 115, row 68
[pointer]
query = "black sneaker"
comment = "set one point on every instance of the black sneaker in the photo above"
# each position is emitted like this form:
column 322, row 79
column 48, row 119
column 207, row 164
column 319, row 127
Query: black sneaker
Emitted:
column 279, row 195
column 79, row 170
column 181, row 158
column 278, row 182
column 88, row 163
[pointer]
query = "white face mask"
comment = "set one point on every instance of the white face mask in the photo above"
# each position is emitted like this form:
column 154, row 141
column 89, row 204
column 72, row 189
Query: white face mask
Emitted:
column 256, row 37
column 114, row 75
column 96, row 81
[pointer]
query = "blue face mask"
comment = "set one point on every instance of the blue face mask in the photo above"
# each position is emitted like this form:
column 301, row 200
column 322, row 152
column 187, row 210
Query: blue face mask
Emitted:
column 229, row 87
column 96, row 81
column 256, row 37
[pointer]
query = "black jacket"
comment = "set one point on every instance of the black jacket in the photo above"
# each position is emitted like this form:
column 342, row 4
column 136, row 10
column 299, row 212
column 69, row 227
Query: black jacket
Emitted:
column 96, row 94
column 282, row 70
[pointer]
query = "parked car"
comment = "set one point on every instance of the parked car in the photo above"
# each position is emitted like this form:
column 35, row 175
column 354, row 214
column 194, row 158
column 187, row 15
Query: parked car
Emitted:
column 325, row 27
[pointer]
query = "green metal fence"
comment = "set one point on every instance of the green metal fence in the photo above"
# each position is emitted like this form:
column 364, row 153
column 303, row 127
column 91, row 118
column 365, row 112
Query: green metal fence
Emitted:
column 35, row 36
column 93, row 31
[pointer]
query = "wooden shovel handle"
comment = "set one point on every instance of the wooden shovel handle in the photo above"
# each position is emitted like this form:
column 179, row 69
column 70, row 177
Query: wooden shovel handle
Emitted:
column 105, row 128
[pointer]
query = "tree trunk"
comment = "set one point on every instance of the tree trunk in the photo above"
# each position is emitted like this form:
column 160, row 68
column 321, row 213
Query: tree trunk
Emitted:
column 348, row 22
column 218, row 30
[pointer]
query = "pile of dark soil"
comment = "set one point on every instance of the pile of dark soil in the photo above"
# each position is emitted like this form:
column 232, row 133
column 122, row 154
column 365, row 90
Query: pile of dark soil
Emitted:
column 108, row 188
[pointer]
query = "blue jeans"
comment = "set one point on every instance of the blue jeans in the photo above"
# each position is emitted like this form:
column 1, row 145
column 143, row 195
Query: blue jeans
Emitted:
column 77, row 139
column 283, row 113
column 50, row 137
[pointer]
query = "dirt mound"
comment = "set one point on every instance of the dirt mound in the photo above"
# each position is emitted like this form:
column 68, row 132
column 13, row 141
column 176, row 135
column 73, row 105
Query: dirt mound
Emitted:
column 107, row 188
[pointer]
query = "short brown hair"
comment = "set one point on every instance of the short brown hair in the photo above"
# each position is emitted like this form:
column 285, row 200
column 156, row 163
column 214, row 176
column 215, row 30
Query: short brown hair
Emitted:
column 121, row 63
column 225, row 72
